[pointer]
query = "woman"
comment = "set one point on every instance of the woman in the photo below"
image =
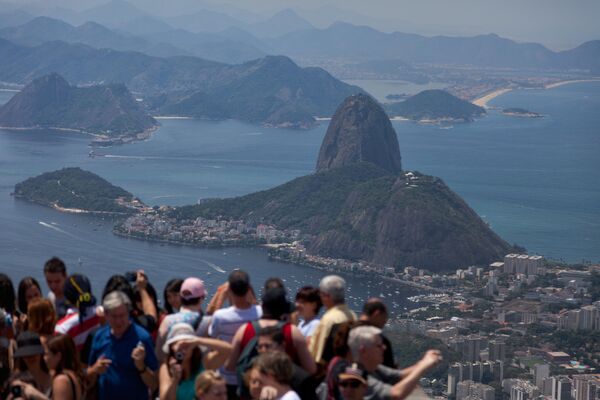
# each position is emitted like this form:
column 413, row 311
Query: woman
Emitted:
column 186, row 361
column 29, row 358
column 172, row 301
column 275, row 373
column 210, row 386
column 41, row 318
column 29, row 289
column 67, row 377
column 308, row 304
column 8, row 304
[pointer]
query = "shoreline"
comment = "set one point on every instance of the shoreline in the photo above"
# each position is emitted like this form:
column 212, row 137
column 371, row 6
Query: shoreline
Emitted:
column 483, row 100
column 562, row 83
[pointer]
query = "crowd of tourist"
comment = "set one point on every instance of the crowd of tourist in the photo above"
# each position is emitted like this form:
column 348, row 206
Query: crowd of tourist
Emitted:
column 129, row 344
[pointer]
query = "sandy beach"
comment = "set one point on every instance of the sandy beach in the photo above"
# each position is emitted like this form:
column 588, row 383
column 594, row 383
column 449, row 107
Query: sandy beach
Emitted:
column 557, row 84
column 482, row 101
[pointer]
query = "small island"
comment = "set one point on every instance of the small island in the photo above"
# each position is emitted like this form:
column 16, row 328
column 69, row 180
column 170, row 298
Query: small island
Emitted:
column 435, row 107
column 520, row 112
column 397, row 96
column 107, row 112
column 77, row 191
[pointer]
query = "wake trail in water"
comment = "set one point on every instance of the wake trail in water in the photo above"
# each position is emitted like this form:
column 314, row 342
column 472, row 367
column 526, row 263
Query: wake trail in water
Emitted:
column 214, row 266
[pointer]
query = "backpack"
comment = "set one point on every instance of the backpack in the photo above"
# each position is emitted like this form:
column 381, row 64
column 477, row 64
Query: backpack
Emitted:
column 250, row 350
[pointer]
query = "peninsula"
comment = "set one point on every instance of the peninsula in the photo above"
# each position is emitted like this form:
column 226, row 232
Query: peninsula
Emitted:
column 107, row 112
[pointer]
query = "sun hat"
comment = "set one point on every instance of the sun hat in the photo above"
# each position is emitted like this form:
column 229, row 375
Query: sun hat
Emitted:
column 192, row 288
column 28, row 344
column 179, row 331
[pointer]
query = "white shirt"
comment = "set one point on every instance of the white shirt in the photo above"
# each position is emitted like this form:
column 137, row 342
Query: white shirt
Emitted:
column 308, row 328
column 291, row 395
column 225, row 323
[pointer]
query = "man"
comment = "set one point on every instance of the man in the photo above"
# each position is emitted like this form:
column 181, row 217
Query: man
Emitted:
column 55, row 273
column 367, row 350
column 122, row 358
column 192, row 293
column 225, row 322
column 332, row 290
column 375, row 313
column 271, row 338
column 352, row 383
column 83, row 318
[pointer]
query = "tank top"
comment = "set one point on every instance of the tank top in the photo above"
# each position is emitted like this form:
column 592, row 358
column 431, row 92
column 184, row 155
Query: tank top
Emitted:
column 186, row 389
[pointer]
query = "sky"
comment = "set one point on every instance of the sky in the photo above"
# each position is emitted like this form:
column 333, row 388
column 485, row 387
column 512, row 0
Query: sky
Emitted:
column 558, row 24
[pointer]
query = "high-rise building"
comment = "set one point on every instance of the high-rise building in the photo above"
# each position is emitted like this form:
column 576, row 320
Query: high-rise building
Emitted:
column 468, row 346
column 523, row 390
column 465, row 389
column 540, row 372
column 561, row 388
column 587, row 387
column 497, row 350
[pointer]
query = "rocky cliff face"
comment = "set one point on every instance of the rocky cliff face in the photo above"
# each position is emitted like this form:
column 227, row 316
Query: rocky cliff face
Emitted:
column 360, row 131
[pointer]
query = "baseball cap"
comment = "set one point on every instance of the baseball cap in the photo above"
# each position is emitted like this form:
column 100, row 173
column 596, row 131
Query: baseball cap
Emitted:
column 192, row 288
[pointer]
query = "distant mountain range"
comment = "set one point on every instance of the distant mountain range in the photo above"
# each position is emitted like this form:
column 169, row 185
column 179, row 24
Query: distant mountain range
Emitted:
column 343, row 40
column 272, row 90
column 172, row 42
column 44, row 29
column 435, row 105
column 208, row 33
column 50, row 102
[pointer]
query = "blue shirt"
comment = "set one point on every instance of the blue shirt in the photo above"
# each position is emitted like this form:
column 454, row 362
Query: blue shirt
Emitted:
column 122, row 379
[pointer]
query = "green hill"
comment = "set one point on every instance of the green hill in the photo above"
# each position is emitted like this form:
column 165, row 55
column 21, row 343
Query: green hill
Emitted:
column 435, row 105
column 50, row 102
column 74, row 188
column 363, row 212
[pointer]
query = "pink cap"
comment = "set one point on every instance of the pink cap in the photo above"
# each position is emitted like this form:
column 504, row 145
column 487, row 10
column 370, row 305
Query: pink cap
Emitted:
column 192, row 288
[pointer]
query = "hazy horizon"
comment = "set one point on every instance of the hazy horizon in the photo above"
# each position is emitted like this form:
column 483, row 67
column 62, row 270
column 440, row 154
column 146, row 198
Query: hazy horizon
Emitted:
column 556, row 24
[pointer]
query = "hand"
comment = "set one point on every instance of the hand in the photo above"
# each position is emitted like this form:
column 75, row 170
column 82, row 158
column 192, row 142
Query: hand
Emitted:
column 268, row 393
column 141, row 281
column 101, row 365
column 175, row 369
column 139, row 356
column 28, row 391
column 223, row 288
column 431, row 358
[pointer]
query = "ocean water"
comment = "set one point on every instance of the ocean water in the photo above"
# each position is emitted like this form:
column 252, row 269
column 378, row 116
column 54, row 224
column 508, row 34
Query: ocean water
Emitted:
column 535, row 181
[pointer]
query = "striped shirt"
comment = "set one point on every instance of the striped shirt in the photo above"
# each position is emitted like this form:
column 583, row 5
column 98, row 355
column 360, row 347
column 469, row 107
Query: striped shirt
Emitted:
column 71, row 326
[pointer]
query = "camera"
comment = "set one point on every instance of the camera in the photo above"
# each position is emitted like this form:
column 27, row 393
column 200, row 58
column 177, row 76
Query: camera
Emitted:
column 131, row 276
column 16, row 391
column 179, row 357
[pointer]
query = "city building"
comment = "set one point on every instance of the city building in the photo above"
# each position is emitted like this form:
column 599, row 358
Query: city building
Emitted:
column 476, row 390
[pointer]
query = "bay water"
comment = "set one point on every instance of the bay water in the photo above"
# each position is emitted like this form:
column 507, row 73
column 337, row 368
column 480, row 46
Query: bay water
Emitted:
column 535, row 181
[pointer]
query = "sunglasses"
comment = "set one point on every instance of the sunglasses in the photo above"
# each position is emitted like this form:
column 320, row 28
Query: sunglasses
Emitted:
column 351, row 383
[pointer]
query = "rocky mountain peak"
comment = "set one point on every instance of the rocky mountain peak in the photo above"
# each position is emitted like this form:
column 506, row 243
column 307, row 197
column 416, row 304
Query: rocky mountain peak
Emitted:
column 360, row 131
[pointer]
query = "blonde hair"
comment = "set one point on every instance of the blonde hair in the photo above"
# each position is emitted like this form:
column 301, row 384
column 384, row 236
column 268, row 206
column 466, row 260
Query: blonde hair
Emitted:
column 41, row 316
column 206, row 380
